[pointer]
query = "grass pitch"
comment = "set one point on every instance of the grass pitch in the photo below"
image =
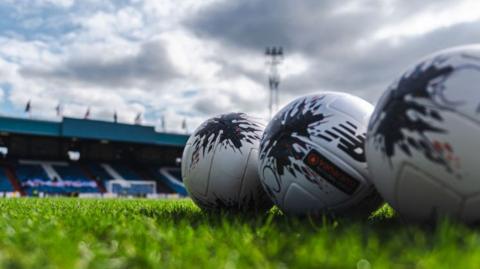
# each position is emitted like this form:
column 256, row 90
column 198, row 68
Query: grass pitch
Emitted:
column 76, row 233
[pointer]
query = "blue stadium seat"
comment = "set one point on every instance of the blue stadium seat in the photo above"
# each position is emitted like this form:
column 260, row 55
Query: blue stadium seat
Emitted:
column 30, row 171
column 177, row 173
column 5, row 185
column 98, row 172
column 73, row 172
column 126, row 172
column 70, row 172
column 27, row 172
column 176, row 184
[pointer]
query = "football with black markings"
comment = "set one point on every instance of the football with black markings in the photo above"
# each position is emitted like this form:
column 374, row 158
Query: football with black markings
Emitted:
column 423, row 138
column 219, row 164
column 312, row 158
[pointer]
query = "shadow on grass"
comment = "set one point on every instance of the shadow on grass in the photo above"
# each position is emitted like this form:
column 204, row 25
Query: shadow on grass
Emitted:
column 383, row 218
column 383, row 223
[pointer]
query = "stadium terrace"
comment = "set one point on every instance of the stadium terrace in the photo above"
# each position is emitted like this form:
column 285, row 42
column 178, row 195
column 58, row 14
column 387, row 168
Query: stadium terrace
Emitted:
column 88, row 158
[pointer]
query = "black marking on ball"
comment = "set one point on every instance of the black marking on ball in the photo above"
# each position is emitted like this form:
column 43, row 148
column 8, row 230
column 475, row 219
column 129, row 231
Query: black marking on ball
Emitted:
column 285, row 138
column 413, row 107
column 230, row 129
column 349, row 141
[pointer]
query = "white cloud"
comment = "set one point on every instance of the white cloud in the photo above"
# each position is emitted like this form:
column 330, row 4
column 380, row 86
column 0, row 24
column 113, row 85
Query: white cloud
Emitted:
column 143, row 56
column 41, row 3
column 191, row 55
column 62, row 3
column 430, row 20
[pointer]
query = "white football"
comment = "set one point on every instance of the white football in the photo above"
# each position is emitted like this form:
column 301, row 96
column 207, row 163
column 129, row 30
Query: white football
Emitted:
column 312, row 158
column 423, row 138
column 219, row 164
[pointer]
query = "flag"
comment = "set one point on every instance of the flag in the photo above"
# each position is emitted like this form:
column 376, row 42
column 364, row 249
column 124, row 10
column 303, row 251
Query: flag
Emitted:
column 184, row 125
column 28, row 107
column 138, row 118
column 59, row 110
column 163, row 123
column 115, row 118
column 87, row 113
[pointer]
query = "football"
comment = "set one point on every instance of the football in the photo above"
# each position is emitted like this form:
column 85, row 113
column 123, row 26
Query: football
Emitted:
column 423, row 138
column 312, row 158
column 219, row 164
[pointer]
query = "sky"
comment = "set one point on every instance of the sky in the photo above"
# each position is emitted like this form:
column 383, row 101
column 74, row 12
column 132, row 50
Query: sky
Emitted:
column 191, row 59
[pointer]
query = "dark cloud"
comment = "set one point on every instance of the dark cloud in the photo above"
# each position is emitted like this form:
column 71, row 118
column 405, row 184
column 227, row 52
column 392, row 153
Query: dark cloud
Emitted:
column 327, row 34
column 308, row 25
column 256, row 24
column 151, row 65
column 373, row 71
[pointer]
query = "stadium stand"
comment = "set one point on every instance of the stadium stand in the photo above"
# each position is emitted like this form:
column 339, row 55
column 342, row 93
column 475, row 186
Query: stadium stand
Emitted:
column 5, row 184
column 97, row 171
column 27, row 172
column 39, row 158
column 92, row 174
column 31, row 177
column 125, row 172
column 72, row 172
column 176, row 173
column 168, row 177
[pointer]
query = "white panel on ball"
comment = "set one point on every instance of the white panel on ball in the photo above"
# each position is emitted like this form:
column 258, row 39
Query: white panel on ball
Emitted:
column 219, row 164
column 312, row 157
column 417, row 184
column 430, row 119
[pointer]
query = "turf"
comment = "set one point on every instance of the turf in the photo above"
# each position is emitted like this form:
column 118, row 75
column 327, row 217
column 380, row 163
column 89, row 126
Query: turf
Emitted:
column 76, row 233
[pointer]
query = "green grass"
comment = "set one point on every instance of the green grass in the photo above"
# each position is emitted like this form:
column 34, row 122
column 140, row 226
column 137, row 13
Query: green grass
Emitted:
column 75, row 233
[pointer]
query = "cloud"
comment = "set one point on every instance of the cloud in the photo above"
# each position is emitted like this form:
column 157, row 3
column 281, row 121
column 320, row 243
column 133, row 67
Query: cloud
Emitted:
column 194, row 59
column 370, row 71
column 341, row 43
column 431, row 19
column 150, row 65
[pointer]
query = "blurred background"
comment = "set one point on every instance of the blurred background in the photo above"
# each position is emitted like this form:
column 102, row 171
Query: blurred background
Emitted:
column 172, row 64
